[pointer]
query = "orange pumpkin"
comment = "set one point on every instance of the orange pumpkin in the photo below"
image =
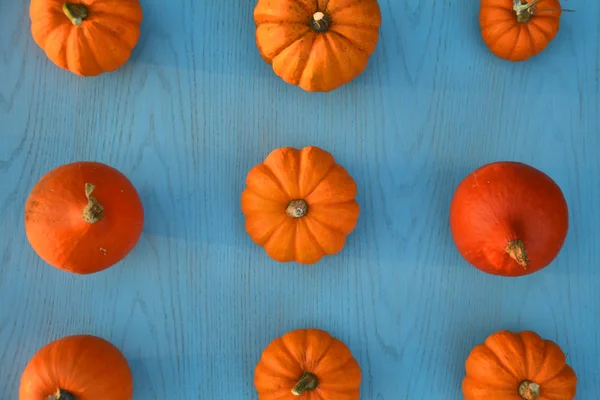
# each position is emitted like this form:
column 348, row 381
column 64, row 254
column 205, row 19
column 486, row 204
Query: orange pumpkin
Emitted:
column 318, row 45
column 86, row 37
column 517, row 366
column 307, row 364
column 83, row 217
column 516, row 30
column 299, row 204
column 79, row 367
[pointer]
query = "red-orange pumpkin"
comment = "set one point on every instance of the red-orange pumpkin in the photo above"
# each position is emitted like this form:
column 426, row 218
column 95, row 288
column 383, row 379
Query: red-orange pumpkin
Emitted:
column 516, row 30
column 307, row 364
column 518, row 366
column 508, row 218
column 83, row 217
column 299, row 205
column 79, row 367
column 86, row 37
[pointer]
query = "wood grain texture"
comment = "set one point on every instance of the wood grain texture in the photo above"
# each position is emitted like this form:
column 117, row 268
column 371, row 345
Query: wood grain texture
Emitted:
column 196, row 107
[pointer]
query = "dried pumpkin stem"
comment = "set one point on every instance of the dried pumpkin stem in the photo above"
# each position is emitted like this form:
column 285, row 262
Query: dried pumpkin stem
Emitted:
column 529, row 390
column 93, row 211
column 306, row 382
column 297, row 208
column 75, row 12
column 516, row 251
column 524, row 10
column 61, row 394
column 320, row 21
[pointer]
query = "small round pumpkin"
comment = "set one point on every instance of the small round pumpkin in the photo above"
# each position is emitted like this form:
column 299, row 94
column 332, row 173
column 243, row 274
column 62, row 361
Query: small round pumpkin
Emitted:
column 83, row 217
column 78, row 367
column 516, row 30
column 518, row 366
column 307, row 364
column 86, row 37
column 299, row 204
column 509, row 219
column 318, row 45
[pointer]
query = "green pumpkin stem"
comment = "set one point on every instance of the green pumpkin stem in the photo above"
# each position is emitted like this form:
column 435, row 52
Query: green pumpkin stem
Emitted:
column 75, row 12
column 93, row 211
column 306, row 382
column 61, row 395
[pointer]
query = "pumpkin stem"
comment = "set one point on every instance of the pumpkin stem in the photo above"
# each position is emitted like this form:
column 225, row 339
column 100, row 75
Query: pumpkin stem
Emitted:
column 61, row 395
column 529, row 390
column 320, row 22
column 307, row 382
column 75, row 12
column 297, row 208
column 524, row 9
column 516, row 251
column 93, row 211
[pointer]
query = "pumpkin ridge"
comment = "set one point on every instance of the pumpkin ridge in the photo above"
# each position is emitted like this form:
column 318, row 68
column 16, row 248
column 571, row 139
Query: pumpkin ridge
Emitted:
column 279, row 51
column 258, row 194
column 267, row 236
column 68, row 55
column 502, row 366
column 107, row 31
column 308, row 192
column 514, row 46
column 547, row 36
column 325, row 224
column 338, row 9
column 126, row 17
column 498, row 37
column 311, row 235
column 91, row 49
column 349, row 42
column 327, row 350
column 350, row 359
column 301, row 4
column 276, row 180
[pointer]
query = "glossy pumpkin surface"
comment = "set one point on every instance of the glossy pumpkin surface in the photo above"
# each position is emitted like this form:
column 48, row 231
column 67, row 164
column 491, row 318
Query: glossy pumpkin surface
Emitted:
column 508, row 218
column 83, row 217
column 79, row 367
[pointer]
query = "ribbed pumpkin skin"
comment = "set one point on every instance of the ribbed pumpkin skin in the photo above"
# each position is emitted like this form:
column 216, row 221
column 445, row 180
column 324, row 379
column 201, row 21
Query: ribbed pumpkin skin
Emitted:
column 55, row 227
column 312, row 175
column 515, row 41
column 88, row 367
column 102, row 43
column 317, row 61
column 496, row 368
column 315, row 351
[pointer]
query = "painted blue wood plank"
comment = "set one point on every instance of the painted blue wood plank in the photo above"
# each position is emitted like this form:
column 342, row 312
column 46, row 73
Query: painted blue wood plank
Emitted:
column 195, row 303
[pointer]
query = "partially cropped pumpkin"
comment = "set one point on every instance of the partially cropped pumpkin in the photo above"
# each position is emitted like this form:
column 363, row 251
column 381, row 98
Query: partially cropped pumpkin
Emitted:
column 516, row 30
column 518, row 366
column 307, row 364
column 86, row 37
column 318, row 45
column 509, row 219
column 83, row 217
column 299, row 204
column 79, row 367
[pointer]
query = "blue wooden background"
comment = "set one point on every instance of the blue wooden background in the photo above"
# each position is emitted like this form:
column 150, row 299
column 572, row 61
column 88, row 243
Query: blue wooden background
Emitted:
column 195, row 303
